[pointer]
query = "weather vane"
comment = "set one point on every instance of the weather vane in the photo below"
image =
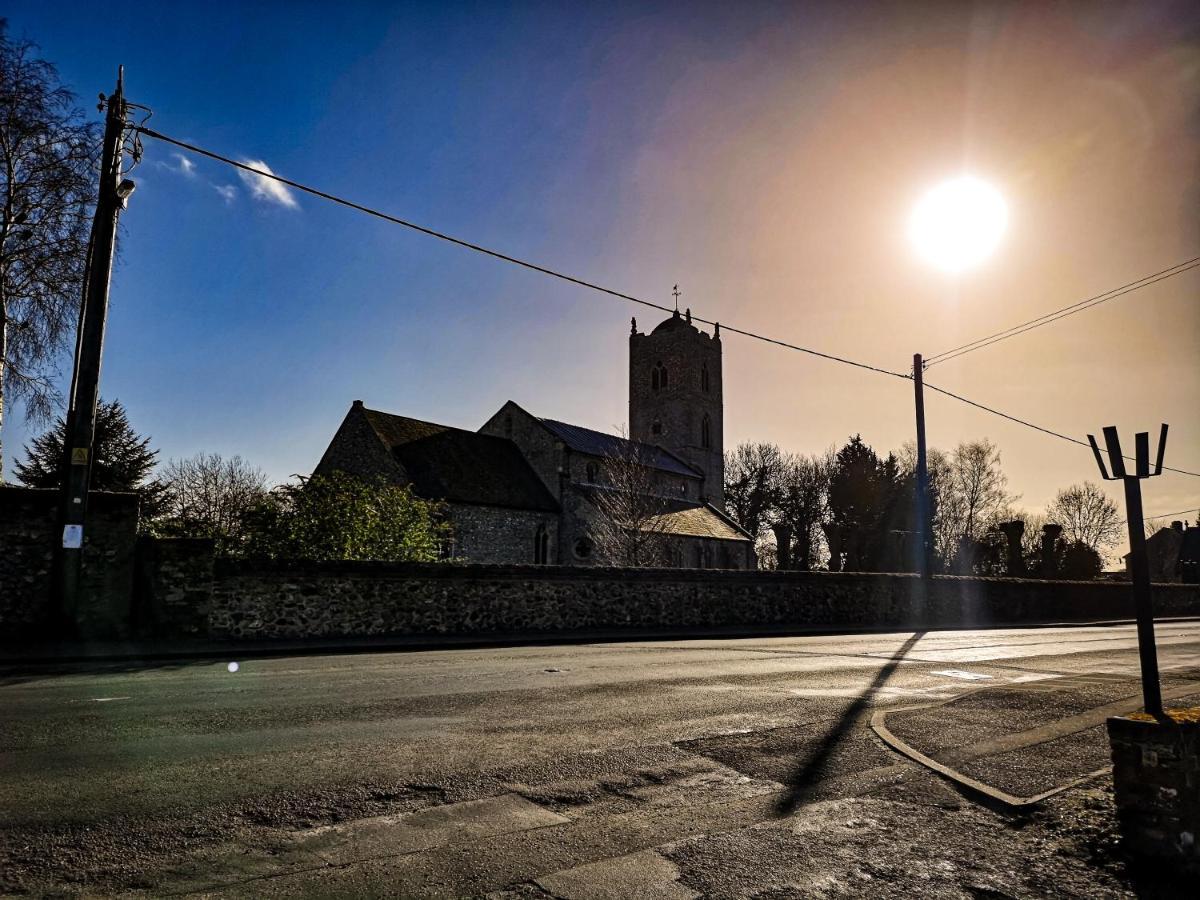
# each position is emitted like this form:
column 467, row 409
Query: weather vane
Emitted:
column 675, row 292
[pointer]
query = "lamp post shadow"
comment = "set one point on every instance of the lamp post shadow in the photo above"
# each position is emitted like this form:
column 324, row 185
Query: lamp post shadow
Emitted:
column 814, row 767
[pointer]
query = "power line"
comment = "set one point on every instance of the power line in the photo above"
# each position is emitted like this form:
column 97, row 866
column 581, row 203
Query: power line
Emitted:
column 1180, row 512
column 497, row 254
column 1011, row 418
column 1051, row 317
column 149, row 132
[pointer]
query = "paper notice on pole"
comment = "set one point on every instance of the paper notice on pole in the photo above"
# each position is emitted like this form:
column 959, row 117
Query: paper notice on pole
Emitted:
column 72, row 537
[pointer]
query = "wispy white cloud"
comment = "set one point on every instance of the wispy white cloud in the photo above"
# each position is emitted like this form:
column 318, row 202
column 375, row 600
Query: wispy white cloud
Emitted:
column 266, row 189
column 181, row 165
column 227, row 191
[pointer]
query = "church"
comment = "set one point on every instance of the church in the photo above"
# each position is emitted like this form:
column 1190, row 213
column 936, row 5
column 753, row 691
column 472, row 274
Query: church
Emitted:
column 529, row 490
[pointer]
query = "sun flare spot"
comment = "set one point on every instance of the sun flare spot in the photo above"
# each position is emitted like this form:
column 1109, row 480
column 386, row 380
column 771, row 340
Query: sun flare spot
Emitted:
column 958, row 224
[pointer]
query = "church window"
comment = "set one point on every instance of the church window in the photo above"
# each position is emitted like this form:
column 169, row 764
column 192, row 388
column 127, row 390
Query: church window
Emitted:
column 583, row 548
column 656, row 428
column 706, row 431
column 658, row 377
column 508, row 427
column 704, row 377
column 541, row 546
column 683, row 488
column 592, row 472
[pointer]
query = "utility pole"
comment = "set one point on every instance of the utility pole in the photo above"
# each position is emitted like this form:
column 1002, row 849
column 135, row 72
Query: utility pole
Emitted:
column 923, row 503
column 85, row 381
column 1139, row 564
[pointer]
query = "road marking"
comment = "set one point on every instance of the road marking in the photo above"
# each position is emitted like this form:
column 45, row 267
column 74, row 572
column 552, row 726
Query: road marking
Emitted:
column 966, row 676
column 99, row 700
column 425, row 829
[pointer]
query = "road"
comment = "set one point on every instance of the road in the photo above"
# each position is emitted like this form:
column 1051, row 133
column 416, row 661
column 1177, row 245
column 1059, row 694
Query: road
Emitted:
column 654, row 768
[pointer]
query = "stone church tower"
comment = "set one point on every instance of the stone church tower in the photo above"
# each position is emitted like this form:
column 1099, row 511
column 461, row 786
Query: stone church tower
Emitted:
column 675, row 397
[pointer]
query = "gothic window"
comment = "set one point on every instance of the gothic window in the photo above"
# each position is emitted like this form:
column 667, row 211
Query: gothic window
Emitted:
column 592, row 472
column 704, row 377
column 658, row 377
column 541, row 546
column 508, row 427
column 706, row 431
column 683, row 488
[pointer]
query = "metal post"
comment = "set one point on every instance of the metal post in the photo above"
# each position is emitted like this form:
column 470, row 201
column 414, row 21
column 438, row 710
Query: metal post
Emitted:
column 1139, row 563
column 923, row 504
column 81, row 415
column 1143, row 603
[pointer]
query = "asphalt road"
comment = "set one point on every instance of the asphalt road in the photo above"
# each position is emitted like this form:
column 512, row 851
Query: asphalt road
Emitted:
column 656, row 768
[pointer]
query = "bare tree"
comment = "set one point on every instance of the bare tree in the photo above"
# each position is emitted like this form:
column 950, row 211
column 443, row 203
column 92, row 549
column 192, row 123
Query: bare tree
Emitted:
column 633, row 521
column 753, row 475
column 971, row 497
column 1087, row 516
column 48, row 163
column 803, row 504
column 210, row 496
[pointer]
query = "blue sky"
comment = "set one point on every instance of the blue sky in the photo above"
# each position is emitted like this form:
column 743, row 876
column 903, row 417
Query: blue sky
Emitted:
column 762, row 155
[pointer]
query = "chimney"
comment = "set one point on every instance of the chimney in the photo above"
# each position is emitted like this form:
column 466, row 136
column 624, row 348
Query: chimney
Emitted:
column 1177, row 526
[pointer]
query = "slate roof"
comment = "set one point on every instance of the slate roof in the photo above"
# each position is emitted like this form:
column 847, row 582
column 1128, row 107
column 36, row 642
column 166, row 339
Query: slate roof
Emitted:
column 460, row 466
column 597, row 443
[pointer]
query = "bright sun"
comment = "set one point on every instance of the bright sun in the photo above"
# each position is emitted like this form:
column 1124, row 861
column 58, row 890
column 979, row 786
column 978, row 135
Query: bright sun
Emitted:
column 958, row 223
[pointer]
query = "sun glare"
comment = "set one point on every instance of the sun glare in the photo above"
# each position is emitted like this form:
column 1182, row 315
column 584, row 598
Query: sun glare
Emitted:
column 958, row 223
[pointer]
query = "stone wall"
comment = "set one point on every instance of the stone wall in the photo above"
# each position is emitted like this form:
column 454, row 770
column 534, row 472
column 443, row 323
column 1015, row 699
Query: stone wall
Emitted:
column 299, row 600
column 173, row 587
column 492, row 534
column 28, row 533
column 1156, row 779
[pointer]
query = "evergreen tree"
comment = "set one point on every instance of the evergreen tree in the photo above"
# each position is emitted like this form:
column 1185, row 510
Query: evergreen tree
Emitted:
column 121, row 460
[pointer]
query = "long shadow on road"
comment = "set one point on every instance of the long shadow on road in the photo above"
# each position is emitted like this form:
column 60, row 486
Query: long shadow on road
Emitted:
column 815, row 765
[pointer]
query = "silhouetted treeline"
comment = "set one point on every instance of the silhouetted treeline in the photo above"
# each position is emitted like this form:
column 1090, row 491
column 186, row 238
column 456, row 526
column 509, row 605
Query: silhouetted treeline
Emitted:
column 853, row 510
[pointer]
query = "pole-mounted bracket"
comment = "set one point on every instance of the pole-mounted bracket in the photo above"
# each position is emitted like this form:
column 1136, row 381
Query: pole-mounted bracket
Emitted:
column 1141, row 456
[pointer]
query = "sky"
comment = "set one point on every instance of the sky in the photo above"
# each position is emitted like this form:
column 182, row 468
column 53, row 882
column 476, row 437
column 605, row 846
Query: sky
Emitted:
column 764, row 156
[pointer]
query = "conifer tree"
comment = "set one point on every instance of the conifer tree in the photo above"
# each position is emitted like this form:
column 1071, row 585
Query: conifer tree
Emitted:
column 121, row 460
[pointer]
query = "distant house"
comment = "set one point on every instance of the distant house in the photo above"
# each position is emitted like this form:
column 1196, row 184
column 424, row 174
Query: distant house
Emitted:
column 1174, row 554
column 525, row 489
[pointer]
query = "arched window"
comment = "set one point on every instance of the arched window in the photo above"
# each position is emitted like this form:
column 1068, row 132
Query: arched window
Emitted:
column 658, row 377
column 592, row 472
column 706, row 431
column 508, row 427
column 704, row 377
column 541, row 546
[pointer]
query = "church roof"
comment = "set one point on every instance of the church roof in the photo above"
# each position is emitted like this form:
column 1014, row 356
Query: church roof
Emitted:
column 458, row 466
column 597, row 443
column 698, row 521
column 673, row 323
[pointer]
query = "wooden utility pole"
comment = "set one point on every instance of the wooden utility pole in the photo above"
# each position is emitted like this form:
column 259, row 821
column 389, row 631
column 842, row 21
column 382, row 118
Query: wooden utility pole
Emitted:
column 923, row 505
column 85, row 382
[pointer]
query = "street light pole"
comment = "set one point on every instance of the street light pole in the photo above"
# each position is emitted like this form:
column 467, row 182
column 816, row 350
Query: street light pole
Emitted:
column 923, row 505
column 85, row 383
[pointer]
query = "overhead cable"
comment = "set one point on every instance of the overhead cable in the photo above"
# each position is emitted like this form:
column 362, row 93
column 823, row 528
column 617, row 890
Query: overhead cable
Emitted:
column 497, row 254
column 1051, row 317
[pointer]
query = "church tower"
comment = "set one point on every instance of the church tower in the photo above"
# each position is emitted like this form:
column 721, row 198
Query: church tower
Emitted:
column 675, row 396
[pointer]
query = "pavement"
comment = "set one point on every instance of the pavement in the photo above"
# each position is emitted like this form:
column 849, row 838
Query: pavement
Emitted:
column 715, row 767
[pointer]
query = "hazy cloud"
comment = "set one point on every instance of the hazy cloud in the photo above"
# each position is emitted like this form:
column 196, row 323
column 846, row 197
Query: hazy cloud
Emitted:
column 227, row 191
column 266, row 189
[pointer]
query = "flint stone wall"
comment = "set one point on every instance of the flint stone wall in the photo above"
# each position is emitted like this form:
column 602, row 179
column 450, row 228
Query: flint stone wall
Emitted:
column 255, row 600
column 28, row 533
column 1156, row 779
